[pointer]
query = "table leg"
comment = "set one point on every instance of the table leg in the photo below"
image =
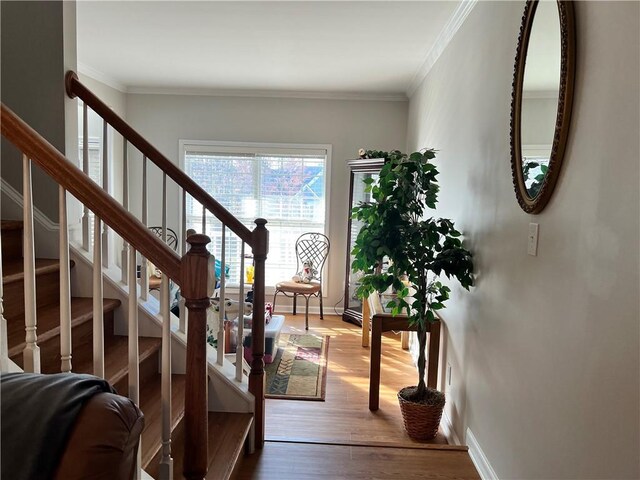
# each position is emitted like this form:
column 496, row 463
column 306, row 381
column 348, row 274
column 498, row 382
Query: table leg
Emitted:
column 374, row 365
column 434, row 354
column 366, row 322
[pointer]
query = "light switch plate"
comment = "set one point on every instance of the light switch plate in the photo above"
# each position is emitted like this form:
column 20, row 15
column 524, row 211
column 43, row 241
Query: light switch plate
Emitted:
column 532, row 246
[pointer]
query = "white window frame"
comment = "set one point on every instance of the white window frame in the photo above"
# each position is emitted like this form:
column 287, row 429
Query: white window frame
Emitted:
column 184, row 144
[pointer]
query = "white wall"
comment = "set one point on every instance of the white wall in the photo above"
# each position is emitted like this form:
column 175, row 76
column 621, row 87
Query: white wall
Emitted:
column 544, row 349
column 346, row 125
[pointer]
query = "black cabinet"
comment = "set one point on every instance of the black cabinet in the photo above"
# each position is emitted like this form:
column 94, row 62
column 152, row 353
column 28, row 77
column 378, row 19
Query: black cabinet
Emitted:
column 361, row 169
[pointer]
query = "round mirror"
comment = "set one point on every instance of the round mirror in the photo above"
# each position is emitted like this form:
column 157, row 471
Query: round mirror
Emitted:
column 541, row 100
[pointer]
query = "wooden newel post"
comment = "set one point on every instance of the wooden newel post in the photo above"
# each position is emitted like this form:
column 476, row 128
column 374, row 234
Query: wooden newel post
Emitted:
column 194, row 273
column 256, row 377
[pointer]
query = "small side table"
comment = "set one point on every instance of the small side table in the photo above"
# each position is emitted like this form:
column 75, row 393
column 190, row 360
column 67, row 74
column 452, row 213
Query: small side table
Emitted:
column 384, row 322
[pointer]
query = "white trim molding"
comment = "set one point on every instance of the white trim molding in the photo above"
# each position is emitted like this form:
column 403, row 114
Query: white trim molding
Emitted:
column 448, row 430
column 479, row 459
column 38, row 216
column 447, row 33
column 313, row 95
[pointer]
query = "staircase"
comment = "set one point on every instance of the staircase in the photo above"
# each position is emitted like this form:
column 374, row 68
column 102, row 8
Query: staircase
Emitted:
column 233, row 427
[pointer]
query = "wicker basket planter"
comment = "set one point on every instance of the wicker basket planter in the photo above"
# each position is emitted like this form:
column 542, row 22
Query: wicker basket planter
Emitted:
column 421, row 420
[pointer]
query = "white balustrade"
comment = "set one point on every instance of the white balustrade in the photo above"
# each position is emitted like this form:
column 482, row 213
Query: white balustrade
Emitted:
column 31, row 349
column 124, row 258
column 65, row 286
column 98, row 309
column 134, row 367
column 183, row 310
column 85, row 169
column 221, row 333
column 240, row 332
column 166, row 462
column 105, row 186
column 144, row 273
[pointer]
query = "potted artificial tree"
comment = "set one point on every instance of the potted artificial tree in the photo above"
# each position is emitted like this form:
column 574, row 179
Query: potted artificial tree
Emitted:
column 415, row 250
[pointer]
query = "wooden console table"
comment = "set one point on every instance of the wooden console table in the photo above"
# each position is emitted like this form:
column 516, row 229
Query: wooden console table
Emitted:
column 384, row 322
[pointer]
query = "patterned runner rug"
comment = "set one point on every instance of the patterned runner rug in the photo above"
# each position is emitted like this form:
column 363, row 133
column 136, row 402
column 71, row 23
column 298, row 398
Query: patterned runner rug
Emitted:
column 299, row 370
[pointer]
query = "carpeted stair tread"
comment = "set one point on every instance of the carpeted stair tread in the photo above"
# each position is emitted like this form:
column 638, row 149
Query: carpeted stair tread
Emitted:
column 116, row 356
column 227, row 434
column 13, row 269
column 151, row 406
column 48, row 321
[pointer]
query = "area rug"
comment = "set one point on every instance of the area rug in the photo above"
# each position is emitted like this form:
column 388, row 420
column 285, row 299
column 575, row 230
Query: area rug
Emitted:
column 299, row 369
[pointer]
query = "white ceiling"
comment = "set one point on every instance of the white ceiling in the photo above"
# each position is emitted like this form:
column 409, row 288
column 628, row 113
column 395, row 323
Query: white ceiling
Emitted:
column 361, row 47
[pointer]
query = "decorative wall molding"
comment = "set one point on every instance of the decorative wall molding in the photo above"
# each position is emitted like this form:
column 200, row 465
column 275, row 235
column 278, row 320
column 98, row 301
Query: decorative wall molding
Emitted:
column 89, row 71
column 310, row 95
column 38, row 216
column 448, row 431
column 447, row 33
column 479, row 459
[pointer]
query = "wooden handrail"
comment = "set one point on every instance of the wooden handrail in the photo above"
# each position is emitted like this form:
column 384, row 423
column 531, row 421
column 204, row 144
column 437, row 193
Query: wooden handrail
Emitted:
column 75, row 88
column 80, row 185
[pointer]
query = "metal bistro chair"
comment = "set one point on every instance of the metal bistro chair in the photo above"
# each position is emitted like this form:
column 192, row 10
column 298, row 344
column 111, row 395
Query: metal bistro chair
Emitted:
column 311, row 249
column 172, row 242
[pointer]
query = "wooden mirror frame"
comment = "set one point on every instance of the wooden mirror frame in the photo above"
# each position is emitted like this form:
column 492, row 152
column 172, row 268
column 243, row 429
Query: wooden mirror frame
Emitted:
column 565, row 100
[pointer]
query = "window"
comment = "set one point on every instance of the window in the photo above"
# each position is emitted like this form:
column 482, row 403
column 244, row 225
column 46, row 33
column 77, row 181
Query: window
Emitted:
column 286, row 184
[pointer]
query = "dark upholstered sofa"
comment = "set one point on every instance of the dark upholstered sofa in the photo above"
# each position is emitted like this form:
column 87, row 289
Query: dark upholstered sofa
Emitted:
column 104, row 442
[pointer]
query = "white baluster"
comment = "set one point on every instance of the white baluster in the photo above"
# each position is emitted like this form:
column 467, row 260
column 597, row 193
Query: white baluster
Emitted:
column 164, row 207
column 134, row 370
column 4, row 347
column 144, row 274
column 240, row 332
column 98, row 310
column 105, row 185
column 222, row 299
column 204, row 220
column 166, row 462
column 183, row 310
column 85, row 169
column 31, row 350
column 124, row 258
column 65, row 286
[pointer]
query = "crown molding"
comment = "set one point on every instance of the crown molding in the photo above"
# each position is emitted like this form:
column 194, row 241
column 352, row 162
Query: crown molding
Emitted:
column 89, row 71
column 447, row 33
column 210, row 92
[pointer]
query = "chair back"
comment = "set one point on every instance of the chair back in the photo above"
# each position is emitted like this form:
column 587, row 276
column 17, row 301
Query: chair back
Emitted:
column 312, row 247
column 172, row 238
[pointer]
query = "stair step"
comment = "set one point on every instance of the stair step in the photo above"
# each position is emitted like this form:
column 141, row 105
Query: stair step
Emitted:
column 151, row 406
column 47, row 285
column 48, row 319
column 227, row 434
column 13, row 269
column 11, row 239
column 116, row 355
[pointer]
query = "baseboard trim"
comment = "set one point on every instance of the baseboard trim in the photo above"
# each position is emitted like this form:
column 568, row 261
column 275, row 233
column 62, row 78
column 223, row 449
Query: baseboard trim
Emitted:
column 448, row 431
column 479, row 459
column 38, row 216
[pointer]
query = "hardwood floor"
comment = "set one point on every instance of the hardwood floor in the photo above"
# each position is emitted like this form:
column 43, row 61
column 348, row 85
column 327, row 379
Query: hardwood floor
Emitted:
column 285, row 461
column 344, row 417
column 340, row 438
